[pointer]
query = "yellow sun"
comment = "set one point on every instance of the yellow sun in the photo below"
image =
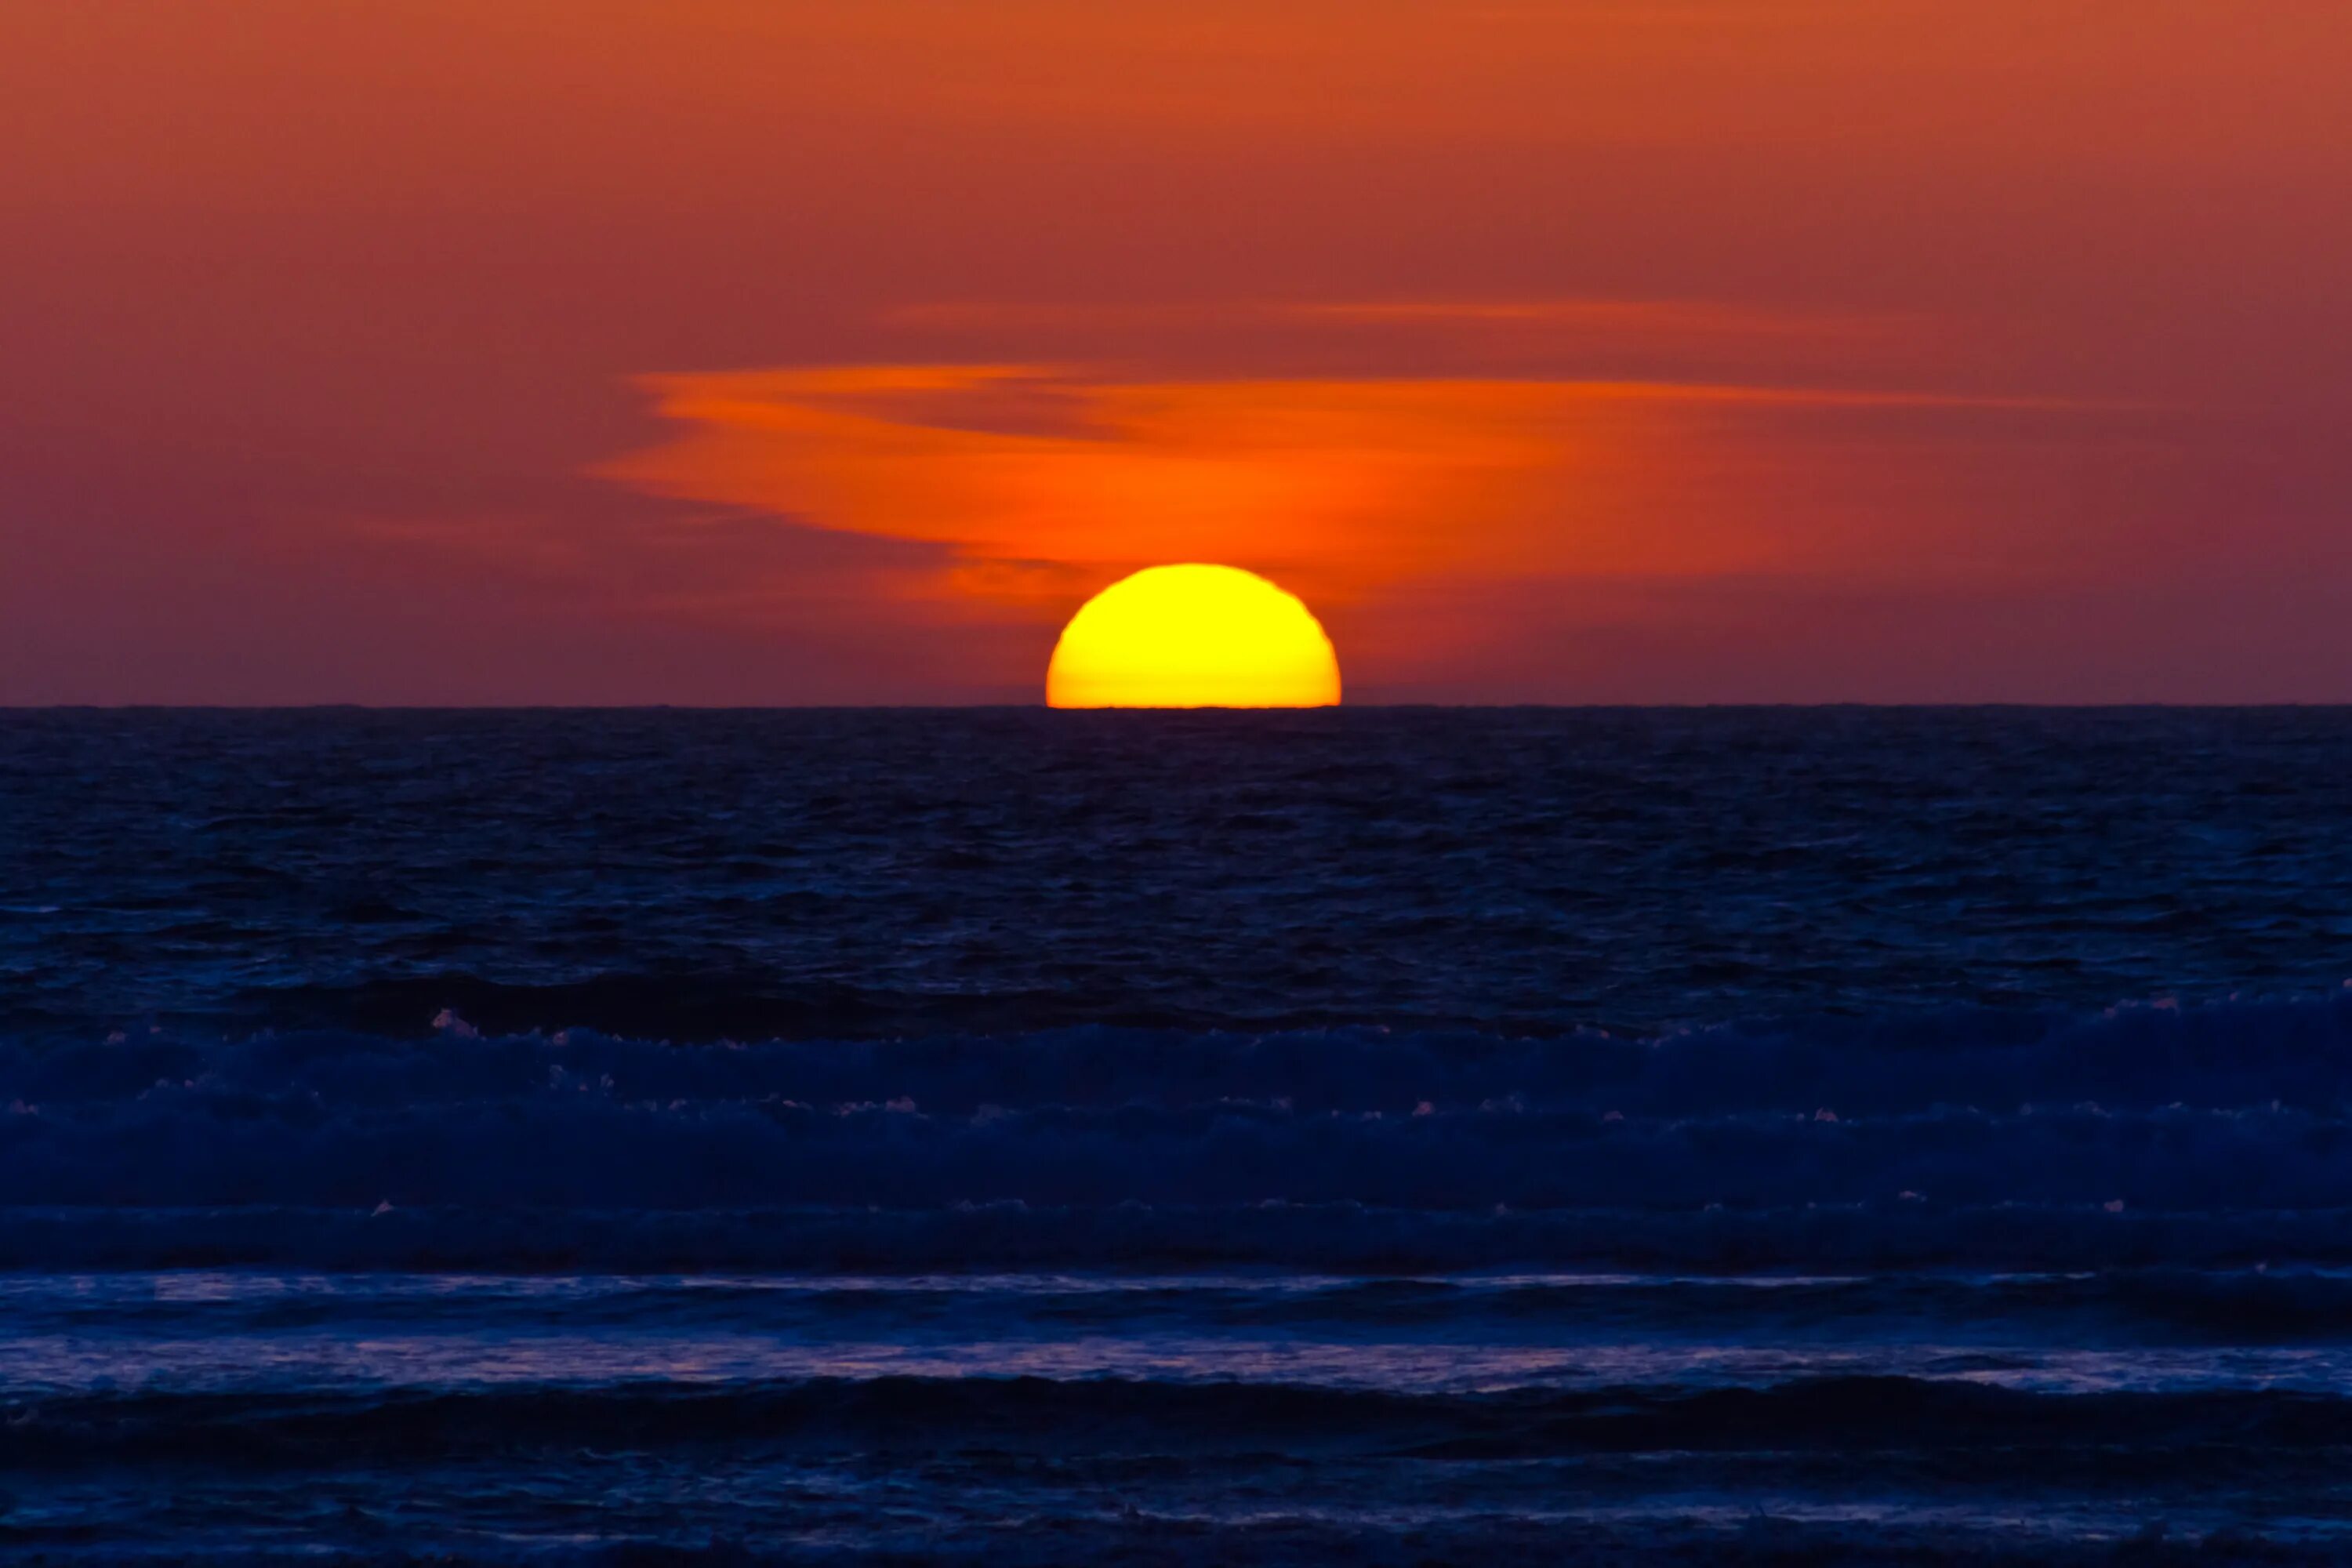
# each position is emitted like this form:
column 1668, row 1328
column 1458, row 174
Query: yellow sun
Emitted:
column 1192, row 637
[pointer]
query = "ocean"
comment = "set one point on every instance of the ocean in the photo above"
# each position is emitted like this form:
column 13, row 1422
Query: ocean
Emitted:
column 1398, row 1136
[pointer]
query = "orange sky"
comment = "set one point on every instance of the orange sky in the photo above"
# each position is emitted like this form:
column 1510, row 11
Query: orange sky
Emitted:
column 779, row 351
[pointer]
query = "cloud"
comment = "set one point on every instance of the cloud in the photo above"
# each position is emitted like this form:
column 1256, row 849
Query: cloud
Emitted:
column 1676, row 342
column 1041, row 482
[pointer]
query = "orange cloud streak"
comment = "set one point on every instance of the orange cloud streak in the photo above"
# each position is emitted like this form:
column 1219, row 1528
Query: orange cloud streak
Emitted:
column 1044, row 482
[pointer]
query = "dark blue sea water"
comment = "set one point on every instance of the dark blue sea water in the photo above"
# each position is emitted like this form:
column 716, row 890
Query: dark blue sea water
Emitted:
column 1408, row 1137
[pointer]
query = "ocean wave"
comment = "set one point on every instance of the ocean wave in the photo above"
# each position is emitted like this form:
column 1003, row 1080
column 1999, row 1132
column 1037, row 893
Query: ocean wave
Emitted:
column 2226, row 1054
column 2233, row 1104
column 2123, row 1328
column 599, row 1153
column 2296, row 1052
column 1345, row 1239
column 1084, row 1537
column 913, row 1416
column 2142, row 1135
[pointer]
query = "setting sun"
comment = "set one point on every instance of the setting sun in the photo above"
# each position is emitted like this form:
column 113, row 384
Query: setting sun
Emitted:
column 1192, row 637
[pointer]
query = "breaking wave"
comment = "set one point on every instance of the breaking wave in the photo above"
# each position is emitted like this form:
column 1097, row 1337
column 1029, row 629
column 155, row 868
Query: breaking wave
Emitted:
column 2146, row 1134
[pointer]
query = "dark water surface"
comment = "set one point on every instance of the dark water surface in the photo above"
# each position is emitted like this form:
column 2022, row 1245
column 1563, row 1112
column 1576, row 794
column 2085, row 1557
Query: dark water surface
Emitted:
column 1395, row 1136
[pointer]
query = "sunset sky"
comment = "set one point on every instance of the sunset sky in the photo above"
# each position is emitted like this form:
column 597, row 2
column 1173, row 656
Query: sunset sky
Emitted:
column 835, row 350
